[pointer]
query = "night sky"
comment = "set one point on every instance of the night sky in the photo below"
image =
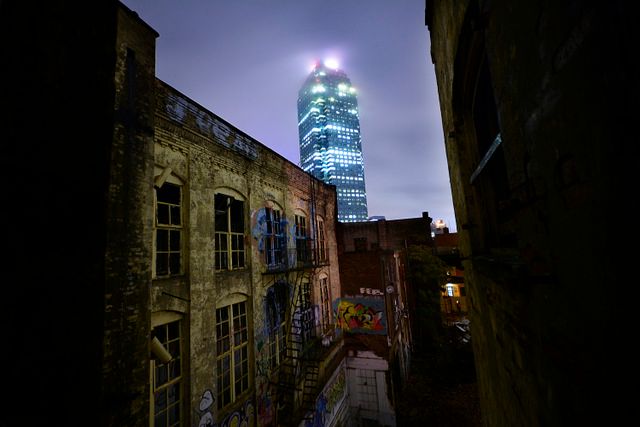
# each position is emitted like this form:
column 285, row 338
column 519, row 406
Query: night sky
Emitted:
column 245, row 61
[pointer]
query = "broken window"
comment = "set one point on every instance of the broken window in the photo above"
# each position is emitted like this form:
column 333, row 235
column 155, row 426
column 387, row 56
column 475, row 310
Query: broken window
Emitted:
column 168, row 243
column 276, row 305
column 274, row 238
column 166, row 399
column 229, row 231
column 491, row 173
column 302, row 248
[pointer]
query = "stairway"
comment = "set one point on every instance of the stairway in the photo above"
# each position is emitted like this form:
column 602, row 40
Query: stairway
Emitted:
column 298, row 375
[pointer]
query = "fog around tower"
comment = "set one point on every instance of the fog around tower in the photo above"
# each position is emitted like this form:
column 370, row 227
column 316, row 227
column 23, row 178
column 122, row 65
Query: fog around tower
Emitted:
column 245, row 61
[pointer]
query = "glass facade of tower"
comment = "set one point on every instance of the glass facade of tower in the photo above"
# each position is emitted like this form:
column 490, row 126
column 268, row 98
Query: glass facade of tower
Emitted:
column 330, row 144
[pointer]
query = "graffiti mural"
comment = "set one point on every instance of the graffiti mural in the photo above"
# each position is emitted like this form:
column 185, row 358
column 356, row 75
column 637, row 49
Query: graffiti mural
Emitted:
column 204, row 412
column 243, row 417
column 360, row 315
column 268, row 335
column 258, row 226
column 266, row 407
column 259, row 219
column 328, row 401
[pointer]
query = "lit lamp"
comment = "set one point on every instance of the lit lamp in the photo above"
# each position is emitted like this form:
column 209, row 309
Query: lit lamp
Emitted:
column 159, row 351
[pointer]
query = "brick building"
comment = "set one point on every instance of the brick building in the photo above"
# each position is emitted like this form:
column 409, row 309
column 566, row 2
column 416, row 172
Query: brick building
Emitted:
column 375, row 309
column 537, row 102
column 243, row 265
column 194, row 268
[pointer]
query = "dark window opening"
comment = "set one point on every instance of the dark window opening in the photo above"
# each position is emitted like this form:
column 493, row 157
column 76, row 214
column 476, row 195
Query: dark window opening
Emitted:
column 485, row 118
column 491, row 172
column 229, row 233
column 302, row 244
column 168, row 230
column 275, row 242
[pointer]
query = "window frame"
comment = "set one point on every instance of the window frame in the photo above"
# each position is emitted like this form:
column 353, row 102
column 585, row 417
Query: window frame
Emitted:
column 227, row 349
column 322, row 242
column 230, row 251
column 171, row 228
column 325, row 303
column 277, row 304
column 302, row 238
column 275, row 241
column 172, row 344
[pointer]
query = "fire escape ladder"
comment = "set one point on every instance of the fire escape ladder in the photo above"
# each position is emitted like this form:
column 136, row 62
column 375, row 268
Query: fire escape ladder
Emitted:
column 298, row 376
column 310, row 387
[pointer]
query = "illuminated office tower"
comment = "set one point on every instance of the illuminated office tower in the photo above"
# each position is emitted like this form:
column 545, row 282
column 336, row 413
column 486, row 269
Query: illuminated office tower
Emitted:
column 329, row 132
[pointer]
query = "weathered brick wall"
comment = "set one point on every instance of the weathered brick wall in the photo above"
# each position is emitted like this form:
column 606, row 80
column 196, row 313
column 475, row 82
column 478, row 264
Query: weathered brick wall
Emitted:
column 544, row 330
column 208, row 154
column 129, row 231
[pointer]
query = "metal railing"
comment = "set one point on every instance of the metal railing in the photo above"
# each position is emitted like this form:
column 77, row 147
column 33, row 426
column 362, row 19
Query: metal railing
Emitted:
column 305, row 255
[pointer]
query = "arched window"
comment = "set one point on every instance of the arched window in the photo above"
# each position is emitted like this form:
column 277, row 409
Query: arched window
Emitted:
column 325, row 303
column 168, row 224
column 303, row 253
column 232, row 350
column 229, row 250
column 167, row 391
column 276, row 303
column 275, row 241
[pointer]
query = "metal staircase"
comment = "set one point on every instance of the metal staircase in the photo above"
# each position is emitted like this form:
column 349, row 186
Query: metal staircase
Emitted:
column 299, row 374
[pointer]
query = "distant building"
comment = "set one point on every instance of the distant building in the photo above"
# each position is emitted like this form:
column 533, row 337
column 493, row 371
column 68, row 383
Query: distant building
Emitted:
column 330, row 140
column 439, row 227
column 375, row 312
column 453, row 300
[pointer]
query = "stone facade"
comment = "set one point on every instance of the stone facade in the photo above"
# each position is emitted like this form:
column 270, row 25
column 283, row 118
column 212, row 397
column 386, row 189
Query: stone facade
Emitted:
column 536, row 101
column 206, row 156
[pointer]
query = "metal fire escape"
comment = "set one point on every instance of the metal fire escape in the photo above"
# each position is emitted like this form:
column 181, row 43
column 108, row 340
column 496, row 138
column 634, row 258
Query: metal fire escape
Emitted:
column 299, row 372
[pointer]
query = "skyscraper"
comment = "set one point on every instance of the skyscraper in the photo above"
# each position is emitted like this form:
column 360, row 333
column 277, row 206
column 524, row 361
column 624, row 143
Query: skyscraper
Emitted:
column 329, row 133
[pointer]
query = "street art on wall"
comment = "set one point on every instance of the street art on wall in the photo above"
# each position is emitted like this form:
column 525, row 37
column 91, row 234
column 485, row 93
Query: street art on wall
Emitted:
column 275, row 304
column 360, row 315
column 259, row 228
column 204, row 409
column 243, row 417
column 328, row 401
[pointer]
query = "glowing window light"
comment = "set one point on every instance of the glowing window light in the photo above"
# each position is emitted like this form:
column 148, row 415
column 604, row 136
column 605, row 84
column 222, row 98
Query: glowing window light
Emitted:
column 331, row 63
column 318, row 88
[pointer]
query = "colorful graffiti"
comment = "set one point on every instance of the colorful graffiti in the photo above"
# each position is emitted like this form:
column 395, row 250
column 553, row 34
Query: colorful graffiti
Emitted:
column 240, row 418
column 360, row 315
column 266, row 407
column 259, row 228
column 328, row 401
column 264, row 403
column 335, row 391
column 244, row 417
